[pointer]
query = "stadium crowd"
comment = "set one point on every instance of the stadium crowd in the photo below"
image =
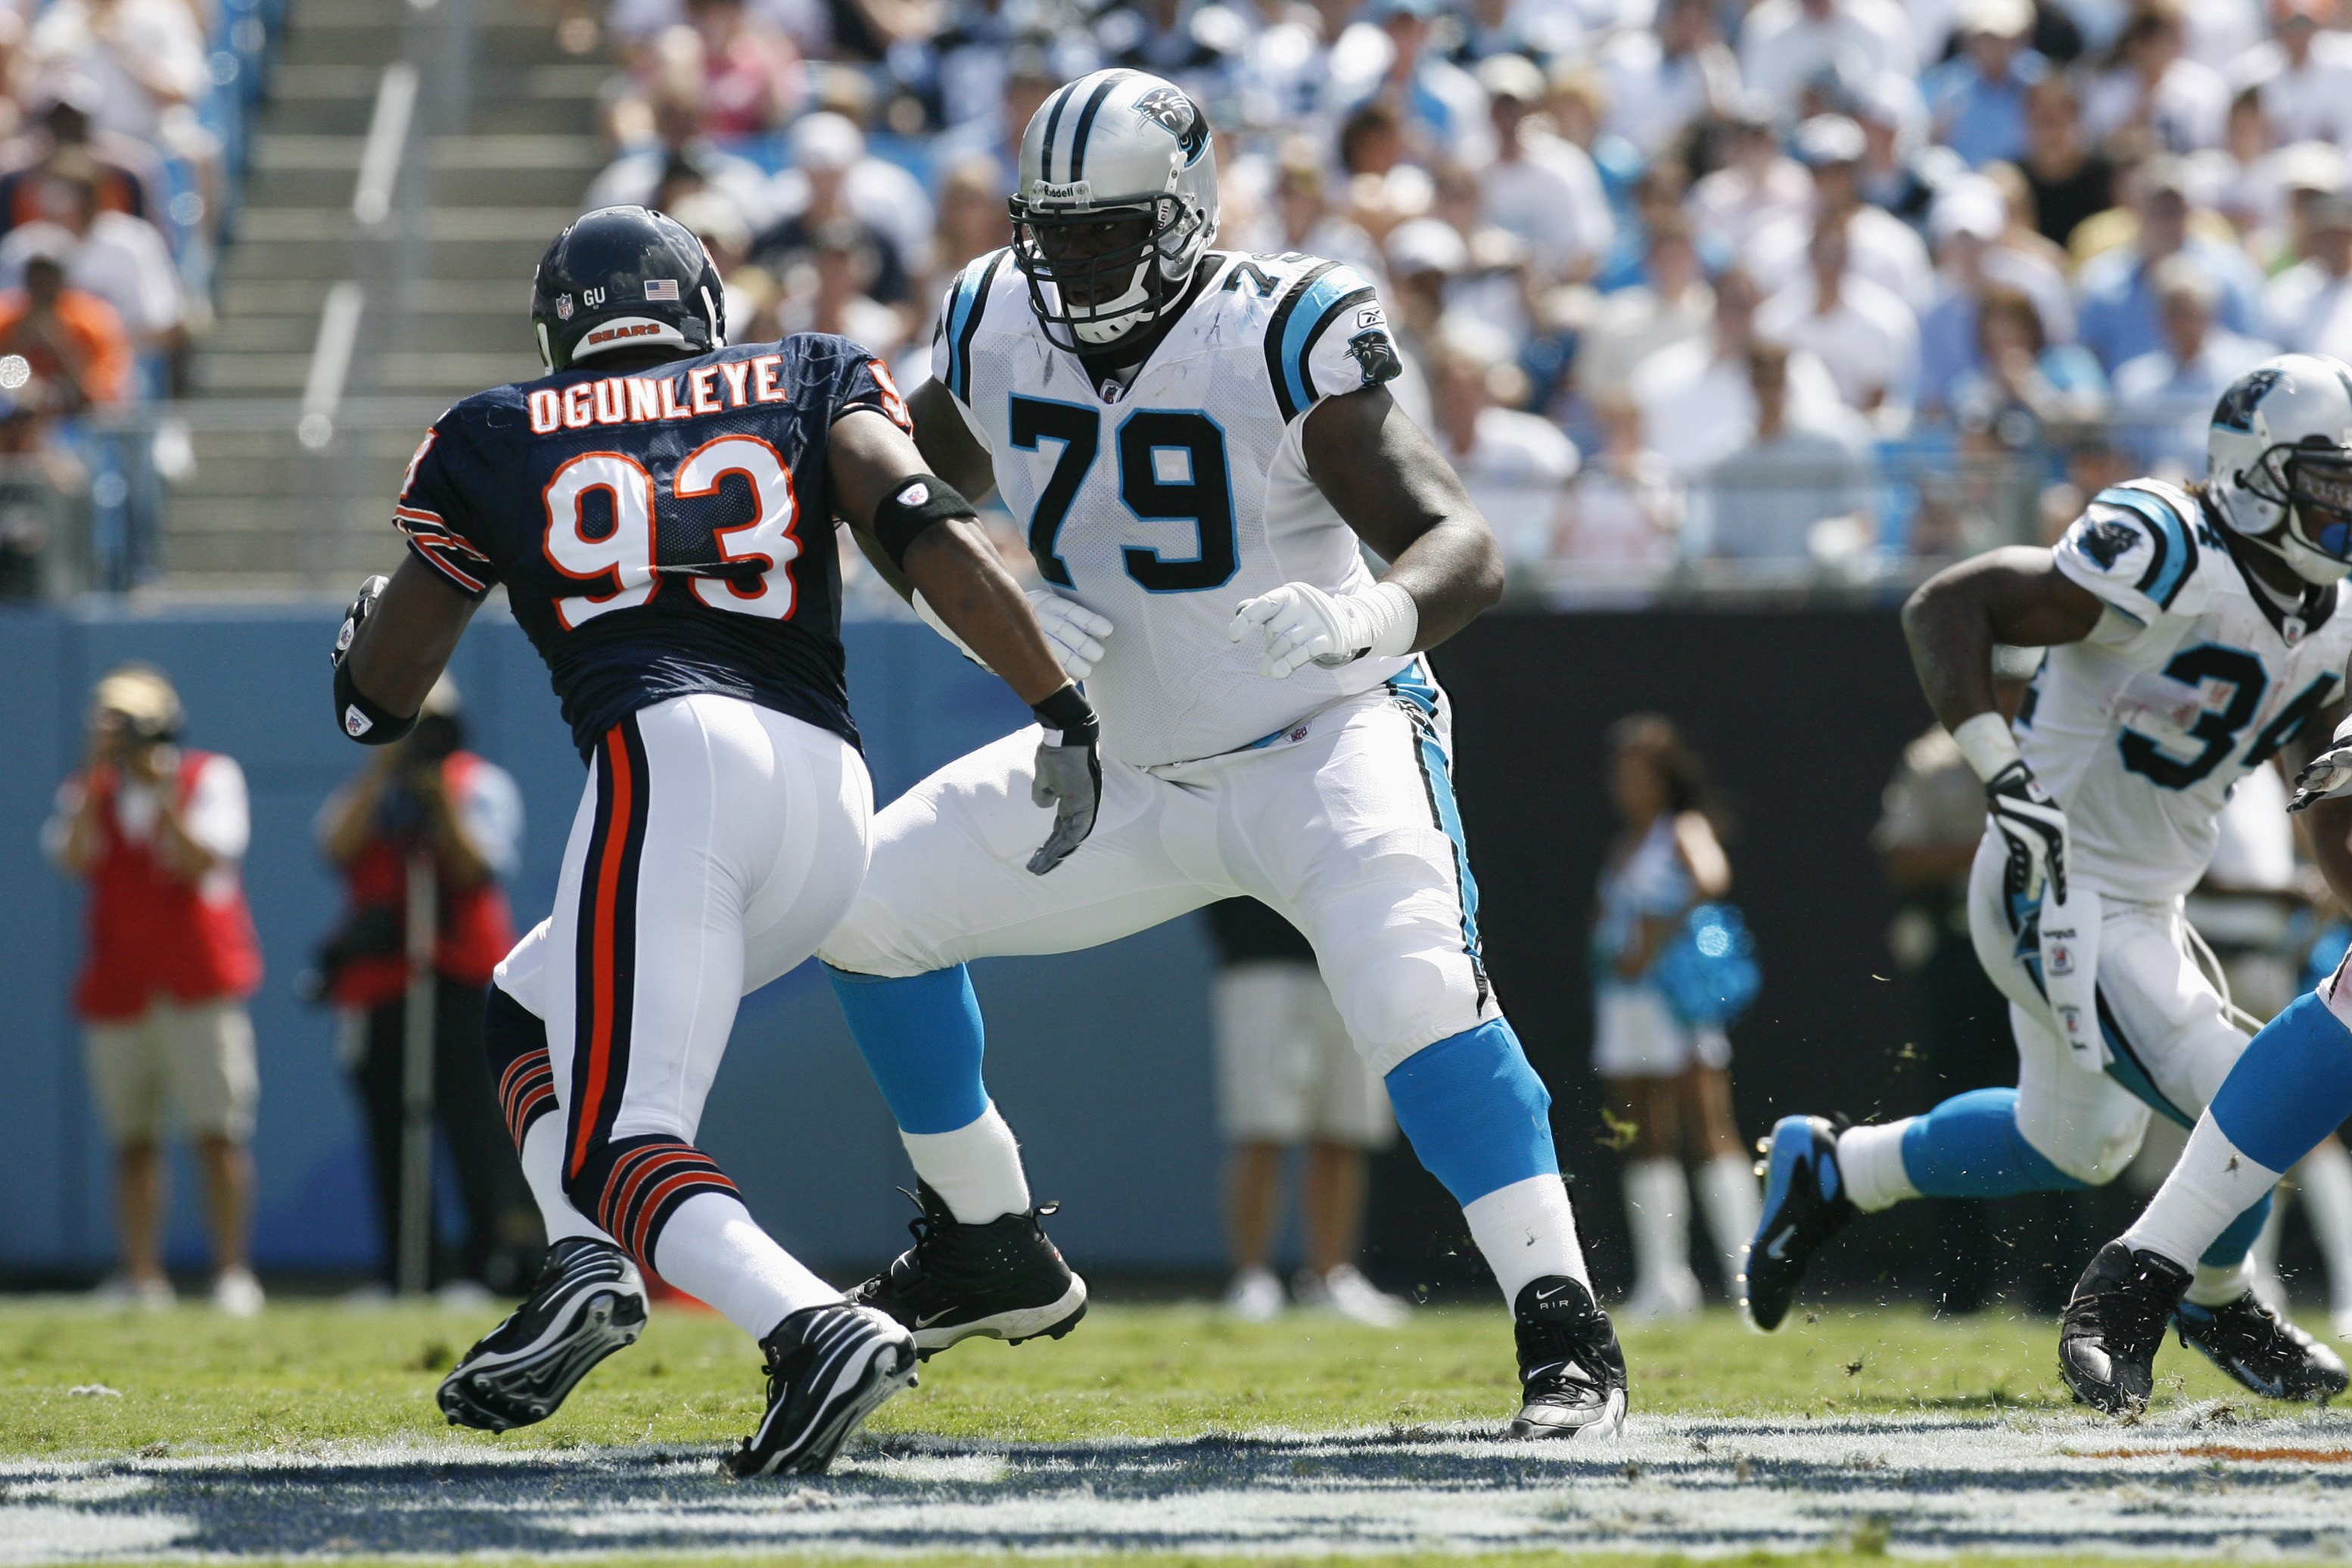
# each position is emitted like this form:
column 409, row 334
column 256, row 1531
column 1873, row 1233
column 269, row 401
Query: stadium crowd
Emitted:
column 1810, row 283
column 121, row 126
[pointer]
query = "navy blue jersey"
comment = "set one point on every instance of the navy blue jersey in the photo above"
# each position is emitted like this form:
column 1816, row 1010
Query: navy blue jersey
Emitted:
column 660, row 531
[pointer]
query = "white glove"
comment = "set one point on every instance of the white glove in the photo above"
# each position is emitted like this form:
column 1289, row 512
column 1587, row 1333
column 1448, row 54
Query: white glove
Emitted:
column 1304, row 625
column 1073, row 631
column 2327, row 776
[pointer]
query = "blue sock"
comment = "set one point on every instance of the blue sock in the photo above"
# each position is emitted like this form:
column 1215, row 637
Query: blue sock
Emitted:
column 922, row 1040
column 1474, row 1111
column 2290, row 1087
column 2230, row 1247
column 1969, row 1147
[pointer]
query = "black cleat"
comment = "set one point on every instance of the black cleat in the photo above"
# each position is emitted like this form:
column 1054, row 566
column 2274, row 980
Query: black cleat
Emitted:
column 1804, row 1206
column 2260, row 1349
column 589, row 1302
column 1572, row 1374
column 1003, row 1280
column 828, row 1369
column 2109, row 1339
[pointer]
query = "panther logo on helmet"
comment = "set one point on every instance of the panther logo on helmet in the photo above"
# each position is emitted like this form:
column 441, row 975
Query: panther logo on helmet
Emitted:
column 2279, row 463
column 1167, row 108
column 2236, row 409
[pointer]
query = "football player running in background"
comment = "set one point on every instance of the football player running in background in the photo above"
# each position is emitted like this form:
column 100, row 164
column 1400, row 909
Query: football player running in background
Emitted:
column 2192, row 634
column 2292, row 1085
column 1198, row 443
column 642, row 505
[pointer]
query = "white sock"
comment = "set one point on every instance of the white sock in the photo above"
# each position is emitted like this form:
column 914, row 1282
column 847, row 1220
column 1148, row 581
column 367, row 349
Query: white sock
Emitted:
column 1871, row 1161
column 2261, row 1258
column 543, row 1167
column 2211, row 1184
column 713, row 1249
column 1657, row 1210
column 1727, row 1191
column 1527, row 1231
column 2325, row 1177
column 976, row 1168
column 2210, row 1285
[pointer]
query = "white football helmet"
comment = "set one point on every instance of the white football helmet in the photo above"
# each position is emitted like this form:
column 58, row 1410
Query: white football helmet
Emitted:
column 2278, row 462
column 1116, row 202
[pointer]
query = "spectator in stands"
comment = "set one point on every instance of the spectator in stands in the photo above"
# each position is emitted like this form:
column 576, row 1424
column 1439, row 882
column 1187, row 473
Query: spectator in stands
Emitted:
column 428, row 802
column 73, row 342
column 1966, row 223
column 146, row 56
column 1763, row 502
column 679, row 150
column 1440, row 106
column 1286, row 1075
column 1663, row 82
column 1881, row 247
column 2020, row 383
column 1900, row 170
column 1979, row 96
column 1867, row 336
column 751, row 79
column 2302, row 75
column 1169, row 38
column 1308, row 221
column 1784, row 45
column 828, row 282
column 1697, row 397
column 1516, row 466
column 121, row 258
column 2165, row 397
column 2069, row 177
column 1032, row 69
column 1757, row 184
column 1673, row 305
column 973, row 221
column 1540, row 187
column 129, row 173
column 155, row 831
column 833, row 179
column 2152, row 97
column 2118, row 319
column 1623, row 524
column 1667, row 1081
column 2308, row 307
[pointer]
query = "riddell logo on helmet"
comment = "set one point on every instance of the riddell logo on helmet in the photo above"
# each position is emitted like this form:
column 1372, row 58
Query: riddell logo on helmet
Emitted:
column 1077, row 193
column 622, row 330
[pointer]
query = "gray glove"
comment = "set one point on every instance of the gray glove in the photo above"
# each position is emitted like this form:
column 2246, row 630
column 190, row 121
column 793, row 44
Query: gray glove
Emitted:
column 1069, row 774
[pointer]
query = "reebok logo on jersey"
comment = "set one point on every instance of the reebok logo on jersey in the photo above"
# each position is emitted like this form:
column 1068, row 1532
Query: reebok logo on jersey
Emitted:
column 356, row 723
column 915, row 494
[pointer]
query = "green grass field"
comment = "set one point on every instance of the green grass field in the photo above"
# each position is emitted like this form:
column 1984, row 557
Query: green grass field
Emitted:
column 192, row 1381
column 311, row 1380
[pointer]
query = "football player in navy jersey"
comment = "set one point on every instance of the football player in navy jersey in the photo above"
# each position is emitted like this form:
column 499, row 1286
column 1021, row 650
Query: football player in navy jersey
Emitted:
column 659, row 508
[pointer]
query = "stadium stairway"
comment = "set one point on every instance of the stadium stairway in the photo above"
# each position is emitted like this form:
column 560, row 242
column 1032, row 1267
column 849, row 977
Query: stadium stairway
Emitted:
column 296, row 466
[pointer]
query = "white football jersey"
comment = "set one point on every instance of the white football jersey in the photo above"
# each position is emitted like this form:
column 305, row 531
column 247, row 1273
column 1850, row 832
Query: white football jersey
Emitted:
column 1165, row 503
column 2192, row 679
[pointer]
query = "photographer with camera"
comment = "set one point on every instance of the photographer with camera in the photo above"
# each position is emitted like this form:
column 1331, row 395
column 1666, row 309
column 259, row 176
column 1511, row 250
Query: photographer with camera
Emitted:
column 426, row 802
column 156, row 830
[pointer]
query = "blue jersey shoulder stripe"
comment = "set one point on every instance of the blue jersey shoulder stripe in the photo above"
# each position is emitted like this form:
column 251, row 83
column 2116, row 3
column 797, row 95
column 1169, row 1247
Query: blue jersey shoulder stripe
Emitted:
column 1298, row 321
column 2174, row 556
column 971, row 299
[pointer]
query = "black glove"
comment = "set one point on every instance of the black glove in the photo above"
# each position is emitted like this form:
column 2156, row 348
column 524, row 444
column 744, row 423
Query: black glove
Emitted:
column 1069, row 774
column 361, row 607
column 2033, row 827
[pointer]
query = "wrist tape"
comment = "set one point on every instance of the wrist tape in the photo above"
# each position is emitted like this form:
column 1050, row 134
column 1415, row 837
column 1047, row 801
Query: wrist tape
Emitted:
column 1986, row 742
column 362, row 720
column 1069, row 712
column 920, row 500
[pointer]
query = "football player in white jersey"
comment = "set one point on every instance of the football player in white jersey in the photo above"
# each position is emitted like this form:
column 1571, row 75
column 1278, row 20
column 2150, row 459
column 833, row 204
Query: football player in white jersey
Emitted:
column 1199, row 445
column 2193, row 633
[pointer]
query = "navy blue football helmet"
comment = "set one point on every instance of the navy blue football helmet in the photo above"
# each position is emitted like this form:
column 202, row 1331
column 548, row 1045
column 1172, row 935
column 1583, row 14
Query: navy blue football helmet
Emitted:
column 625, row 277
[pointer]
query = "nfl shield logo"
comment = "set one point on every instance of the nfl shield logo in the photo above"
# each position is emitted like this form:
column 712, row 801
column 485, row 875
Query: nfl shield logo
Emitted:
column 1112, row 392
column 563, row 306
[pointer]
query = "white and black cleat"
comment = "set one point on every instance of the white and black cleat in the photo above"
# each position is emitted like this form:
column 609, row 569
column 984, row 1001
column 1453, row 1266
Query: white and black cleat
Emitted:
column 1572, row 1373
column 1003, row 1280
column 2114, row 1326
column 588, row 1302
column 828, row 1369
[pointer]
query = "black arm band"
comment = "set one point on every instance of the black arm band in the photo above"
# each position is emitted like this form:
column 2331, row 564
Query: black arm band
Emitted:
column 920, row 501
column 362, row 720
column 1069, row 711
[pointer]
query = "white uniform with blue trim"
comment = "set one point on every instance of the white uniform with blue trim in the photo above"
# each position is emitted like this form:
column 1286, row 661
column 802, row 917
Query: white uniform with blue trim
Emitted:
column 2191, row 680
column 1163, row 504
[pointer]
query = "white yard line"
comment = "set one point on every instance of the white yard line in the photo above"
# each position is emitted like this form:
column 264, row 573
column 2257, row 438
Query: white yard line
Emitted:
column 2193, row 1485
